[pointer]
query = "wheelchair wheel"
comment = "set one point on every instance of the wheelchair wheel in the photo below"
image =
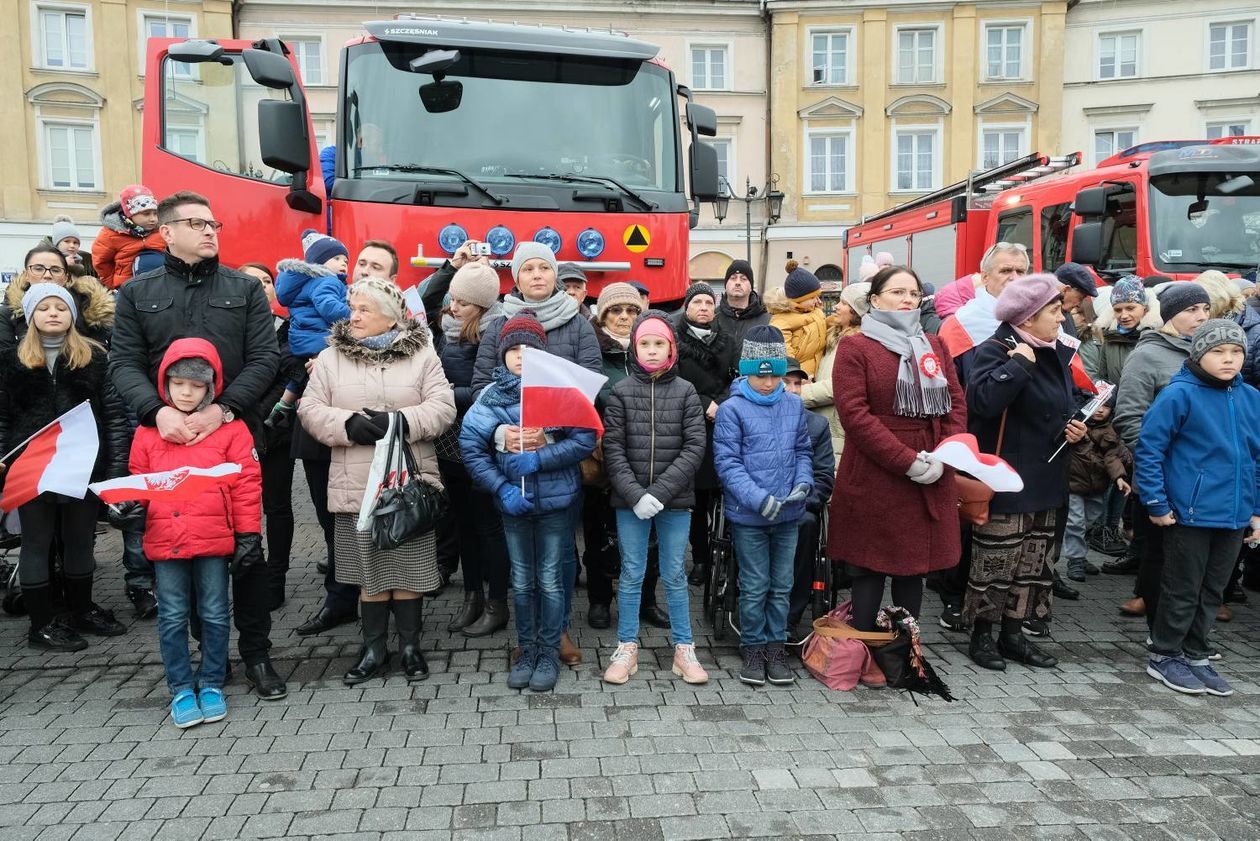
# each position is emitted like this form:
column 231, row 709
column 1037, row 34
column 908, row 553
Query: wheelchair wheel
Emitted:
column 822, row 593
column 719, row 614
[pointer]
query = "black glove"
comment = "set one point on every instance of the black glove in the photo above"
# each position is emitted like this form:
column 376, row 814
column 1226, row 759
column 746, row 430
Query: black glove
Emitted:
column 360, row 430
column 248, row 552
column 122, row 514
column 381, row 419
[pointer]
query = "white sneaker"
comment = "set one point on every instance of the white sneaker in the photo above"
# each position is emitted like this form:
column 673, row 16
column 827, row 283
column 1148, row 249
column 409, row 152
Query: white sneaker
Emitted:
column 624, row 663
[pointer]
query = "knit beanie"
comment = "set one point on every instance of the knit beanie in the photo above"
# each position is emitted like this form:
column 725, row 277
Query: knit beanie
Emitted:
column 389, row 298
column 570, row 273
column 1128, row 290
column 699, row 288
column 764, row 352
column 1024, row 297
column 530, row 250
column 1078, row 277
column 522, row 329
column 1213, row 333
column 63, row 228
column 39, row 291
column 739, row 267
column 617, row 293
column 136, row 198
column 857, row 296
column 319, row 248
column 196, row 369
column 1180, row 296
column 476, row 284
column 801, row 284
column 868, row 269
column 655, row 325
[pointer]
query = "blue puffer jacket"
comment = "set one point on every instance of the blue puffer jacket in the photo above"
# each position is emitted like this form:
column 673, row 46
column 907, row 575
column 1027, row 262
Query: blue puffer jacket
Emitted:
column 761, row 451
column 554, row 487
column 316, row 299
column 1198, row 454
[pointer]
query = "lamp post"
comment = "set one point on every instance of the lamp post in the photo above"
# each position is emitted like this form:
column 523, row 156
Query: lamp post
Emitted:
column 771, row 196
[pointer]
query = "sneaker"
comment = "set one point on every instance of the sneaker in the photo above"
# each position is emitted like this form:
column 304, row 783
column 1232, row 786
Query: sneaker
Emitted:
column 56, row 637
column 1122, row 566
column 686, row 665
column 184, row 710
column 624, row 663
column 753, row 672
column 213, row 707
column 1213, row 654
column 546, row 673
column 522, row 669
column 952, row 618
column 144, row 602
column 1113, row 542
column 98, row 622
column 1213, row 683
column 1076, row 569
column 1175, row 673
column 777, row 670
column 1035, row 628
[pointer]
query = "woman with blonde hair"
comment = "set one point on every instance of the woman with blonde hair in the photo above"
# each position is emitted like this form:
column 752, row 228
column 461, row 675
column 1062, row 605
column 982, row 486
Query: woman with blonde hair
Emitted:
column 1227, row 301
column 845, row 320
column 45, row 264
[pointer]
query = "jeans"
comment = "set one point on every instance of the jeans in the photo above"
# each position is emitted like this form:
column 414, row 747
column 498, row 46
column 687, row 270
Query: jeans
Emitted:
column 673, row 530
column 1114, row 510
column 1082, row 512
column 175, row 582
column 765, row 555
column 537, row 546
column 1198, row 563
column 137, row 571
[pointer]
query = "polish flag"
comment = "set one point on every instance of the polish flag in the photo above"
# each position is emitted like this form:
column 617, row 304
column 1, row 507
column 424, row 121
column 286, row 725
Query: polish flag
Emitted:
column 178, row 485
column 57, row 459
column 1080, row 377
column 556, row 392
column 962, row 452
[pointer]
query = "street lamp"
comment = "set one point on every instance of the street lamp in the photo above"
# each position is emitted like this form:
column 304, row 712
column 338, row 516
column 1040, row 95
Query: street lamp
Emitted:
column 772, row 197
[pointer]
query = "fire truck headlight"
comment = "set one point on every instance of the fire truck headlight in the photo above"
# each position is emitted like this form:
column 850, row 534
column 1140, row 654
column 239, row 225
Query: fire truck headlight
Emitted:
column 590, row 243
column 451, row 237
column 501, row 241
column 550, row 238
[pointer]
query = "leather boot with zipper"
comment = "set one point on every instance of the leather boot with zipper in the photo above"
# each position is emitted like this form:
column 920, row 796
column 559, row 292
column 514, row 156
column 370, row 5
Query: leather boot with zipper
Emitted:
column 407, row 615
column 469, row 613
column 493, row 618
column 375, row 658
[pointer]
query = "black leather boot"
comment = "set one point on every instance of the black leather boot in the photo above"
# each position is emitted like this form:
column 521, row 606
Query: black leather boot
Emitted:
column 375, row 658
column 1015, row 646
column 407, row 614
column 982, row 650
column 474, row 603
column 494, row 618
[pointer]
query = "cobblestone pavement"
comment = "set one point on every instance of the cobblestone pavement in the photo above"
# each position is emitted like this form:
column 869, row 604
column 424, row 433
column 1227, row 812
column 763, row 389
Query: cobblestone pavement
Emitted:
column 1093, row 749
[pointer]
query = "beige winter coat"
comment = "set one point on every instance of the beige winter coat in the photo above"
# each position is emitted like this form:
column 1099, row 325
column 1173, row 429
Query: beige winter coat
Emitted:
column 406, row 376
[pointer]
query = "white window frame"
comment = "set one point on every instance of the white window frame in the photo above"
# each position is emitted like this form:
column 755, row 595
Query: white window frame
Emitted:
column 938, row 52
column 728, row 72
column 43, row 124
column 850, row 160
column 1248, row 58
column 850, row 54
column 1024, row 129
column 728, row 142
column 937, row 130
column 1138, row 34
column 198, row 133
column 143, row 16
column 318, row 40
column 38, row 7
column 326, row 121
column 1224, row 125
column 1025, row 52
column 1094, row 131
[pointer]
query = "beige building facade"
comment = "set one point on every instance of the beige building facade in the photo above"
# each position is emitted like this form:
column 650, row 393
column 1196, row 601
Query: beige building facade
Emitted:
column 72, row 79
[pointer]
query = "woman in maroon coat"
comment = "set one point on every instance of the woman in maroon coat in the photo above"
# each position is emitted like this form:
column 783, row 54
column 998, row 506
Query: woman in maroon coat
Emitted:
column 894, row 513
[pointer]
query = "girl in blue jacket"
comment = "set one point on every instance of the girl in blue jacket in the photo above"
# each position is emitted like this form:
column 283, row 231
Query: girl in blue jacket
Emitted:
column 535, row 491
column 1197, row 460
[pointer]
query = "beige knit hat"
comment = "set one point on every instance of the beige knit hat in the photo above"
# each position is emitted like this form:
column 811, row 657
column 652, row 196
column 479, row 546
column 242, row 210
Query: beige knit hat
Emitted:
column 476, row 284
column 618, row 293
column 857, row 295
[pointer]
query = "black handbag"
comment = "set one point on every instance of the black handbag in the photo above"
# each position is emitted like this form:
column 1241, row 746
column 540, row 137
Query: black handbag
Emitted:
column 902, row 661
column 408, row 506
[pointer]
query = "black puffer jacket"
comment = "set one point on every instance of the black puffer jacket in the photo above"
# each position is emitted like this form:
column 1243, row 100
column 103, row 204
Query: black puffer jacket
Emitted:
column 617, row 365
column 710, row 368
column 654, row 438
column 31, row 398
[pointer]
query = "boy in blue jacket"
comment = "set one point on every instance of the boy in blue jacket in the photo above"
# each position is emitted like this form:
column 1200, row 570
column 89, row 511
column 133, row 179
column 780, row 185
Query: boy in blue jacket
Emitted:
column 764, row 459
column 1197, row 460
column 537, row 521
column 314, row 290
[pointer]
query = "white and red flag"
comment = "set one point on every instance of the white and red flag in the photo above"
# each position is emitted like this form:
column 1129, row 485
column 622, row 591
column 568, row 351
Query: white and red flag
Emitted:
column 962, row 452
column 57, row 459
column 556, row 392
column 178, row 485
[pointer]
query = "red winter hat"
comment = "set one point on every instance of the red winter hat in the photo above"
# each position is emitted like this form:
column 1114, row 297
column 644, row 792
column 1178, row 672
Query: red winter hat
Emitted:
column 522, row 329
column 136, row 198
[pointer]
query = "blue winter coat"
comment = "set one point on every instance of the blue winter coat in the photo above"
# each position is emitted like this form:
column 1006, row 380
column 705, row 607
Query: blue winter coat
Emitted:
column 761, row 451
column 316, row 299
column 556, row 486
column 1198, row 454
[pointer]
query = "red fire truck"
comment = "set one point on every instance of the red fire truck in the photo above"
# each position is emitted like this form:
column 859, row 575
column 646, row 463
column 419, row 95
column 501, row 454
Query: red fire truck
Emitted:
column 447, row 130
column 1174, row 208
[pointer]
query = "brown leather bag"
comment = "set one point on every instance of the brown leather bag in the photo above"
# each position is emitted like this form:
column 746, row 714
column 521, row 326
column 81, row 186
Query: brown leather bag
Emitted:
column 974, row 496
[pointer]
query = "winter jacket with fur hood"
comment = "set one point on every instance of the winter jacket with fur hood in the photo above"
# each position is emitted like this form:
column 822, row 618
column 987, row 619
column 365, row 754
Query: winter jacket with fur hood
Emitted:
column 316, row 298
column 115, row 248
column 804, row 333
column 95, row 305
column 206, row 526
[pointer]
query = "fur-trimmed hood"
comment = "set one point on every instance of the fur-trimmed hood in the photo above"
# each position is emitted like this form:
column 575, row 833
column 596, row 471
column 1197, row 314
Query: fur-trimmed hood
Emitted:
column 413, row 339
column 303, row 267
column 96, row 305
column 1106, row 321
column 112, row 218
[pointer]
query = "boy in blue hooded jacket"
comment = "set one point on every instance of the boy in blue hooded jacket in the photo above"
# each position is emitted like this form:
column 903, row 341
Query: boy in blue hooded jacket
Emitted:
column 314, row 290
column 764, row 459
column 1198, row 457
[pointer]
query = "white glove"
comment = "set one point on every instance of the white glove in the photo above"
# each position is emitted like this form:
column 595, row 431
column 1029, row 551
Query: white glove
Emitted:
column 918, row 467
column 648, row 507
column 932, row 471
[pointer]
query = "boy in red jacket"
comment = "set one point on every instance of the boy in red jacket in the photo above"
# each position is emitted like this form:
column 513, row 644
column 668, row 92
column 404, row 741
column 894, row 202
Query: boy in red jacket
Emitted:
column 192, row 541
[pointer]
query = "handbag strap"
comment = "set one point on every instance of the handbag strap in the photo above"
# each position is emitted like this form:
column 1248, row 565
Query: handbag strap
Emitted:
column 389, row 459
column 1001, row 432
column 408, row 457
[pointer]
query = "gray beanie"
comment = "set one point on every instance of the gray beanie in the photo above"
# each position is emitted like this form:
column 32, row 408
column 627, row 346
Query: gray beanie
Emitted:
column 196, row 369
column 63, row 228
column 41, row 291
column 1213, row 333
column 530, row 250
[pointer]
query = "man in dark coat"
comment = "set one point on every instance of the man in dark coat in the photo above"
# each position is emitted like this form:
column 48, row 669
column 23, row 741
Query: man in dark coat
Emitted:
column 741, row 307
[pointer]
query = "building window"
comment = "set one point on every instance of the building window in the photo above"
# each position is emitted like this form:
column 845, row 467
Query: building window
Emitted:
column 63, row 38
column 708, row 68
column 830, row 160
column 1229, row 45
column 831, row 58
column 1118, row 55
column 1109, row 141
column 162, row 26
column 1001, row 146
column 309, row 53
column 1229, row 128
column 915, row 162
column 726, row 162
column 70, row 156
column 1004, row 52
column 916, row 56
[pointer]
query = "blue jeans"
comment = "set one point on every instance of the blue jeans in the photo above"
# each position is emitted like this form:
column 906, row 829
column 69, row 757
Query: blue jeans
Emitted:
column 1083, row 511
column 765, row 555
column 537, row 547
column 673, row 530
column 137, row 571
column 175, row 582
column 570, row 570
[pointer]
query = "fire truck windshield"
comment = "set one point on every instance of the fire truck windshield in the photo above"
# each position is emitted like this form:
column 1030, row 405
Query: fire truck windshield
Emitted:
column 1205, row 220
column 514, row 116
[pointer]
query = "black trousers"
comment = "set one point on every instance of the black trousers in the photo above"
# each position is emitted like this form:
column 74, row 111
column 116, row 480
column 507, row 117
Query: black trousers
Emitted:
column 251, row 614
column 1197, row 565
column 46, row 518
column 868, row 592
column 951, row 584
column 339, row 598
column 1152, row 569
column 701, row 550
column 277, row 503
column 478, row 526
column 600, row 557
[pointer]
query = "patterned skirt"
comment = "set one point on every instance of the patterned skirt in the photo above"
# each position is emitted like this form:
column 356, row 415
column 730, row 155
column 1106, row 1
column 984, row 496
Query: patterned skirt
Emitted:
column 1012, row 567
column 412, row 566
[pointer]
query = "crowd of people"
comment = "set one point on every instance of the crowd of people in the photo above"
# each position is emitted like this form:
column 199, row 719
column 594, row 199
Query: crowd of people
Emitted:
column 769, row 412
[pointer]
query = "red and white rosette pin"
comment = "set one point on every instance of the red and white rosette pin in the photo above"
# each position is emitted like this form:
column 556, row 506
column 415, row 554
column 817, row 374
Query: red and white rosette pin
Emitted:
column 930, row 365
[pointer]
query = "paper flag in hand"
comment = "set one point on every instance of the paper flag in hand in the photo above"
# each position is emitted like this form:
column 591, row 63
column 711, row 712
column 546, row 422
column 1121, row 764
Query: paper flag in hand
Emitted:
column 962, row 452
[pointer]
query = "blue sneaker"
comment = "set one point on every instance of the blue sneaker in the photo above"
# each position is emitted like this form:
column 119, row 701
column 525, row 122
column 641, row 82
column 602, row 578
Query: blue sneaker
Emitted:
column 523, row 669
column 546, row 673
column 1213, row 683
column 1174, row 672
column 184, row 710
column 213, row 707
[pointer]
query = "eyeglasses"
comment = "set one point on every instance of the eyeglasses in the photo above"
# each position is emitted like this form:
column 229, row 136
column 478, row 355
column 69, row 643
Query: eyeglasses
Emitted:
column 622, row 309
column 912, row 294
column 199, row 225
column 37, row 269
column 1004, row 246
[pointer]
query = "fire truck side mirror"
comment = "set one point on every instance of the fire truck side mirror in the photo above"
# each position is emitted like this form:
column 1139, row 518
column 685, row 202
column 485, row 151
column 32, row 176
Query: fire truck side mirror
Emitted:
column 197, row 51
column 269, row 69
column 1087, row 243
column 702, row 120
column 704, row 172
column 282, row 137
column 1091, row 202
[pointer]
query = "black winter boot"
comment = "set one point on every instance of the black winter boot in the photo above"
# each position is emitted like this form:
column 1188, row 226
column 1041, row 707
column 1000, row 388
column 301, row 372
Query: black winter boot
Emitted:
column 375, row 659
column 85, row 616
column 982, row 650
column 493, row 618
column 474, row 603
column 47, row 633
column 1013, row 644
column 407, row 615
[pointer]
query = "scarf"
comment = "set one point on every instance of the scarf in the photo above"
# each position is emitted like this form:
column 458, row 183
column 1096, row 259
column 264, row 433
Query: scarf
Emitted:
column 553, row 312
column 504, row 389
column 922, row 390
column 624, row 341
column 1031, row 340
column 451, row 327
column 381, row 340
column 52, row 349
column 704, row 334
column 753, row 396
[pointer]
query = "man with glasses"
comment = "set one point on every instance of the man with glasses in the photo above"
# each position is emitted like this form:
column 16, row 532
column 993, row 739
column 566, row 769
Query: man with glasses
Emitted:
column 194, row 296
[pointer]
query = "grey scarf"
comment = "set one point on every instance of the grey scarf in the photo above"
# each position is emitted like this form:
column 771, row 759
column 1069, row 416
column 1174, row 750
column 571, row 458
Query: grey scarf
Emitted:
column 922, row 390
column 451, row 327
column 553, row 312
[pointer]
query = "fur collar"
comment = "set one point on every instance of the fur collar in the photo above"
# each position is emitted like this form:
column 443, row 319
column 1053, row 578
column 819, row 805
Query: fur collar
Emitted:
column 96, row 305
column 305, row 268
column 707, row 354
column 112, row 218
column 412, row 341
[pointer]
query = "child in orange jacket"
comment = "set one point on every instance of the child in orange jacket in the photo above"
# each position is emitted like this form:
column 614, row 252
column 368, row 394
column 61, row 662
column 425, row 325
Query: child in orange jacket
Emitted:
column 128, row 226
